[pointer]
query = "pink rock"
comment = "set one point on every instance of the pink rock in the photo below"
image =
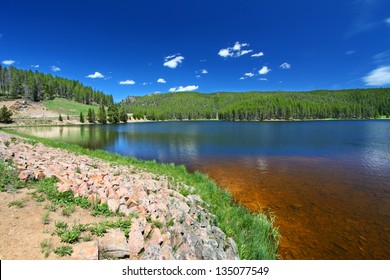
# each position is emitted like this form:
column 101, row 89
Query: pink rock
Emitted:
column 114, row 244
column 94, row 199
column 86, row 251
column 155, row 238
column 63, row 187
column 136, row 240
column 26, row 175
column 113, row 205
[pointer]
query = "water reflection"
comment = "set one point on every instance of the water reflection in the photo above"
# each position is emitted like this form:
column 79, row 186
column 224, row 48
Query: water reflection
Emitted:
column 328, row 183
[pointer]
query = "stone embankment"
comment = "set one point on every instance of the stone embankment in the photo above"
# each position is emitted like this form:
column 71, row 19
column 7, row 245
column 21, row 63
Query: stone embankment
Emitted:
column 166, row 224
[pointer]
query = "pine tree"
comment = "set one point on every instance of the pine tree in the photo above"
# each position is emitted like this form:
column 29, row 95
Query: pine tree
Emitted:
column 102, row 117
column 60, row 118
column 123, row 116
column 113, row 114
column 81, row 117
column 5, row 115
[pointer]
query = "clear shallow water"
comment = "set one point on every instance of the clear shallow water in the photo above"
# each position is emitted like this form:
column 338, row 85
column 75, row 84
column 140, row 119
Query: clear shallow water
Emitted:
column 327, row 183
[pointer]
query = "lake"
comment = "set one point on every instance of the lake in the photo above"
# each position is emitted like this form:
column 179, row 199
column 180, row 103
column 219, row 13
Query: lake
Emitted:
column 327, row 183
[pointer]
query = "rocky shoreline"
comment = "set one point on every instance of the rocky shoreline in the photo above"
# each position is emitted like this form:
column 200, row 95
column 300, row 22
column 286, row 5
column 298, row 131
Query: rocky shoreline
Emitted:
column 186, row 229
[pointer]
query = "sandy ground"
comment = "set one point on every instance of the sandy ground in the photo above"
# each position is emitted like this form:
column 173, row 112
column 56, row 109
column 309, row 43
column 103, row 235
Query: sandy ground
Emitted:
column 22, row 229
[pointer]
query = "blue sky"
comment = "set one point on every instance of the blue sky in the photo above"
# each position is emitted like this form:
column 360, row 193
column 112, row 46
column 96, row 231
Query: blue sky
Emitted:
column 140, row 47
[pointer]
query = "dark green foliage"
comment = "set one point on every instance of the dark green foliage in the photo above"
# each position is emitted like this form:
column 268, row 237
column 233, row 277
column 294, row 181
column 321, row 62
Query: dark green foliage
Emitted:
column 113, row 114
column 36, row 86
column 102, row 210
column 102, row 117
column 340, row 104
column 63, row 251
column 60, row 118
column 5, row 115
column 123, row 115
column 81, row 117
column 91, row 115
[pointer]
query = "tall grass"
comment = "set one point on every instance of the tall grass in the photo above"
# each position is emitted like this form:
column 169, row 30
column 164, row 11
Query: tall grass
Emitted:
column 255, row 236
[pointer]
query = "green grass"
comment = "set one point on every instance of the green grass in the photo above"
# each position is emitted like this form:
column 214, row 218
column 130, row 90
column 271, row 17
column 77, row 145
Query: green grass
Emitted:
column 46, row 247
column 17, row 203
column 9, row 180
column 254, row 233
column 63, row 251
column 68, row 107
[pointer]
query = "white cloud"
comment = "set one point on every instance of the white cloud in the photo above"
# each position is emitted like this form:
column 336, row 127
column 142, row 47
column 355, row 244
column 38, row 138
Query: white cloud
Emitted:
column 55, row 68
column 386, row 20
column 250, row 74
column 264, row 70
column 173, row 61
column 225, row 53
column 96, row 75
column 263, row 79
column 181, row 88
column 285, row 66
column 8, row 62
column 378, row 77
column 161, row 81
column 242, row 78
column 35, row 66
column 350, row 52
column 235, row 51
column 204, row 71
column 257, row 54
column 127, row 82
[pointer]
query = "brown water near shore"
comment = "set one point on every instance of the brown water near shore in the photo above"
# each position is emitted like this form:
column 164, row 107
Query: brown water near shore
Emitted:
column 323, row 209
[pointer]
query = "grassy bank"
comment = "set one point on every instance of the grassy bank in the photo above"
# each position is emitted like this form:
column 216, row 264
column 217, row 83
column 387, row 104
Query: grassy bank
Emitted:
column 68, row 107
column 254, row 234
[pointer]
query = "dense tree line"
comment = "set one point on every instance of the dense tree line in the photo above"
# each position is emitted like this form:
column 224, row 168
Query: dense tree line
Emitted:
column 340, row 104
column 36, row 86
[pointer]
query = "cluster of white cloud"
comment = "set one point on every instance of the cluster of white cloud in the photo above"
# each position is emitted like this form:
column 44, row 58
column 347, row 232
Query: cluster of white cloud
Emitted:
column 8, row 62
column 378, row 77
column 96, row 75
column 285, row 65
column 181, row 88
column 161, row 81
column 387, row 20
column 257, row 54
column 35, row 66
column 55, row 68
column 173, row 61
column 235, row 51
column 264, row 70
column 127, row 82
column 201, row 72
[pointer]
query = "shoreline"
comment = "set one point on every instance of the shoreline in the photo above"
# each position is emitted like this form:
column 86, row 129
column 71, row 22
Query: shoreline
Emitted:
column 254, row 234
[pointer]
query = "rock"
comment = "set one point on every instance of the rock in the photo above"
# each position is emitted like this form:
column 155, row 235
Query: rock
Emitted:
column 113, row 205
column 114, row 244
column 86, row 251
column 155, row 238
column 26, row 175
column 136, row 239
column 63, row 187
column 152, row 253
column 231, row 250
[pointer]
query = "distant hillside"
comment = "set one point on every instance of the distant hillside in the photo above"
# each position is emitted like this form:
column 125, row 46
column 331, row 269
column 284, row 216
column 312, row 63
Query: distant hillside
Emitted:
column 340, row 104
column 35, row 86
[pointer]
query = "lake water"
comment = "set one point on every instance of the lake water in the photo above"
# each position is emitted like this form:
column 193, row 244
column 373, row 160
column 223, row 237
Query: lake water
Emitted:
column 326, row 182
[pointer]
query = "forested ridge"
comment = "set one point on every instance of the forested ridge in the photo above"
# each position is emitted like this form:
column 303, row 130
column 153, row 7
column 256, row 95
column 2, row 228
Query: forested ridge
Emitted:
column 232, row 106
column 37, row 86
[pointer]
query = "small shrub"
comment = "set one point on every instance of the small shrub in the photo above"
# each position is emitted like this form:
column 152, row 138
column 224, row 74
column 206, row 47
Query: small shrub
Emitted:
column 63, row 251
column 17, row 203
column 46, row 218
column 171, row 222
column 6, row 143
column 46, row 247
column 102, row 210
column 68, row 210
column 70, row 236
